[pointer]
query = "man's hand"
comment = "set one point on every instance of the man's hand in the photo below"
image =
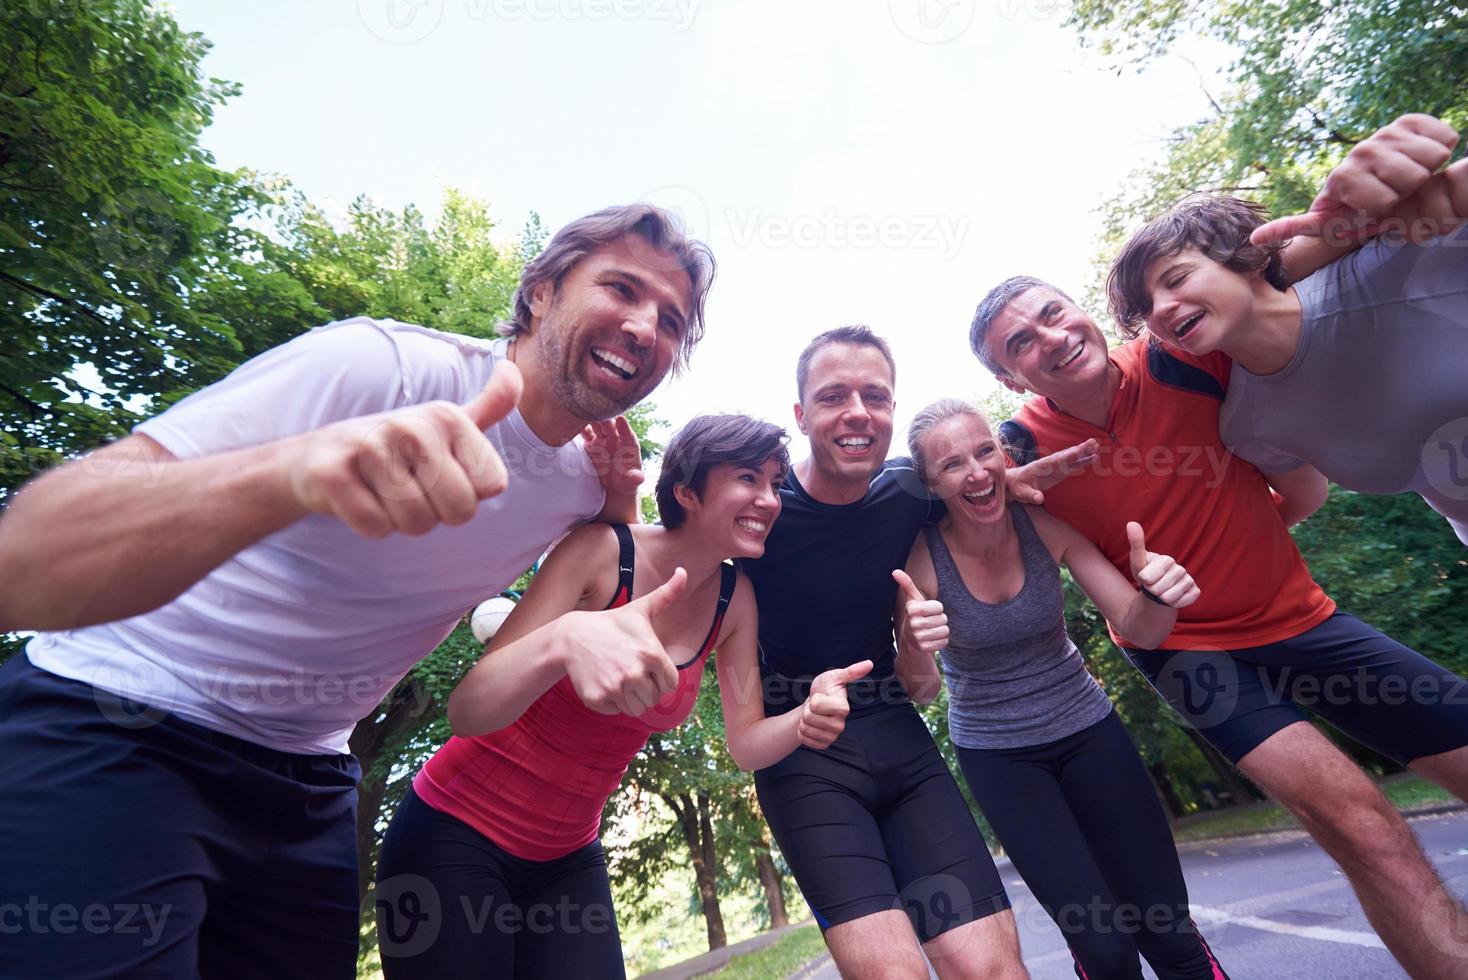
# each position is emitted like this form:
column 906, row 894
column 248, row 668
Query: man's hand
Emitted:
column 615, row 455
column 407, row 470
column 925, row 625
column 1160, row 575
column 615, row 660
column 1027, row 484
column 823, row 716
column 1377, row 180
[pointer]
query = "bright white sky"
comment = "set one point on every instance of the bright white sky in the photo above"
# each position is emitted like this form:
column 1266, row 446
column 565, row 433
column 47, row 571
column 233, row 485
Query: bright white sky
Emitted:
column 875, row 161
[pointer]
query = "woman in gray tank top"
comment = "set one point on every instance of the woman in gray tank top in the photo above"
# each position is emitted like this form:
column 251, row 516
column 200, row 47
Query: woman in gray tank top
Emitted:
column 1046, row 758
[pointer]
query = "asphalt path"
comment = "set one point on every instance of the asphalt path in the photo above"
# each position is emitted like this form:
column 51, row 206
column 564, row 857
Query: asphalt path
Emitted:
column 1270, row 905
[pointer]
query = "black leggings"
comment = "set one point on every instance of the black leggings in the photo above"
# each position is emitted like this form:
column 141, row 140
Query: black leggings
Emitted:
column 452, row 904
column 1083, row 826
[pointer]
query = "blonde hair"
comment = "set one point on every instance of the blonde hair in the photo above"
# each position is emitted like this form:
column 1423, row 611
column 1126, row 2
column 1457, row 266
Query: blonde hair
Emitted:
column 939, row 411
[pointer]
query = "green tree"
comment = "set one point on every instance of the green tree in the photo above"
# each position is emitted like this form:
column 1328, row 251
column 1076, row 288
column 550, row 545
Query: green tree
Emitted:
column 111, row 216
column 1308, row 81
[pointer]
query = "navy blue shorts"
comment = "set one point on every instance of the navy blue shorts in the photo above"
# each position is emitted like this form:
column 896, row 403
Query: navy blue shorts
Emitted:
column 163, row 849
column 1384, row 695
column 876, row 822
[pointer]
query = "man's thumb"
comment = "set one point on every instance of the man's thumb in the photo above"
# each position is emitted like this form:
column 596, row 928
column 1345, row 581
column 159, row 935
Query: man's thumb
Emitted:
column 905, row 583
column 856, row 671
column 1138, row 541
column 498, row 397
column 666, row 594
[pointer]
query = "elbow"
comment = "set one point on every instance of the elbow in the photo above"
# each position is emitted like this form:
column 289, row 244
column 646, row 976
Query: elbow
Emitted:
column 739, row 752
column 461, row 717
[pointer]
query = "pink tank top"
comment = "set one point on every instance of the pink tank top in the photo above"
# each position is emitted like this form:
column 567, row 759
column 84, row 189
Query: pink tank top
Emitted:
column 536, row 788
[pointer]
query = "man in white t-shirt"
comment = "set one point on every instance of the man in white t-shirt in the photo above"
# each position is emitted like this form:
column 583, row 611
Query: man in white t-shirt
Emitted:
column 223, row 594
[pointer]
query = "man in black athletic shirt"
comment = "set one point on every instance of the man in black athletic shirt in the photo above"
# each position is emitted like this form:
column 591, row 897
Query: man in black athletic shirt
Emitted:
column 874, row 827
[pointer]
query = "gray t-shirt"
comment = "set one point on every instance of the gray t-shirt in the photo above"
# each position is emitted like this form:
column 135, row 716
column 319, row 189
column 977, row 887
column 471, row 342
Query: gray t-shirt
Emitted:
column 1014, row 677
column 1376, row 395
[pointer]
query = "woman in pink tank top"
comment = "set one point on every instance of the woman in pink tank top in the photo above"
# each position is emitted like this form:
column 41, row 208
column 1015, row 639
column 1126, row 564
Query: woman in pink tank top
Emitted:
column 492, row 865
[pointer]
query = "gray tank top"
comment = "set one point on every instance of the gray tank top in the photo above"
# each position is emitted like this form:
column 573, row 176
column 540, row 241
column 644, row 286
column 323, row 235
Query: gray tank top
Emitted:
column 1014, row 677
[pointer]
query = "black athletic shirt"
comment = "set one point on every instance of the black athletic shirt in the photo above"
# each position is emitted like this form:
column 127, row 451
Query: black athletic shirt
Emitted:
column 824, row 586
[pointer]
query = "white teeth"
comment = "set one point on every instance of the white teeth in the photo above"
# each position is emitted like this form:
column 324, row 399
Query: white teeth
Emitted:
column 758, row 527
column 621, row 363
column 1187, row 325
column 861, row 442
column 981, row 498
column 1075, row 353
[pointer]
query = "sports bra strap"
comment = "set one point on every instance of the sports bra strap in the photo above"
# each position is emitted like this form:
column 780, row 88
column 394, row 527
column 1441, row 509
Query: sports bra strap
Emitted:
column 625, row 563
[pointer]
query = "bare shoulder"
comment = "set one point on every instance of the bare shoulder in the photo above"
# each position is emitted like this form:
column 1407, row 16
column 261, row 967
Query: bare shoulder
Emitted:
column 585, row 559
column 1057, row 535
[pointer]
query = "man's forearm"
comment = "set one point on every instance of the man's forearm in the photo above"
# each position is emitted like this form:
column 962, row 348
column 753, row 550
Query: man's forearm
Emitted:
column 129, row 528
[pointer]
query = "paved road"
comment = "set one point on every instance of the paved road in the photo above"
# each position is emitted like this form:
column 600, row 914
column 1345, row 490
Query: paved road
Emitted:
column 1271, row 906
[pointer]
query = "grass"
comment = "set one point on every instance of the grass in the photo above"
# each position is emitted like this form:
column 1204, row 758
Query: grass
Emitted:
column 1407, row 792
column 778, row 960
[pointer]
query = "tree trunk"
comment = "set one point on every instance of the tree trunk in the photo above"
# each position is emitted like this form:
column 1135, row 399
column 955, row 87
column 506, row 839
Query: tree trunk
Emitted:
column 1162, row 780
column 770, row 881
column 1242, row 790
column 698, row 832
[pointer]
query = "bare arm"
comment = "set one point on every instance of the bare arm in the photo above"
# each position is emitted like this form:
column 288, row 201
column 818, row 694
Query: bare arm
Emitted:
column 1299, row 492
column 1141, row 620
column 614, row 658
column 130, row 527
column 921, row 626
column 755, row 741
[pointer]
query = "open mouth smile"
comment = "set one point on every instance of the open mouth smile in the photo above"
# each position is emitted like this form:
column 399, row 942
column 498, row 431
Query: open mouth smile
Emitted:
column 1186, row 327
column 1070, row 358
column 855, row 445
column 614, row 364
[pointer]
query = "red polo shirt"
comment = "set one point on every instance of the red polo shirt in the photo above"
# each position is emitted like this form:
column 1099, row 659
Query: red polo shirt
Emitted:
column 1163, row 465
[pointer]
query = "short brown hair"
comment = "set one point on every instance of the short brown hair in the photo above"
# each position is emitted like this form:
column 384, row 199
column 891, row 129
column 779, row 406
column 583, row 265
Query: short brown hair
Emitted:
column 707, row 440
column 1217, row 226
column 857, row 334
column 580, row 238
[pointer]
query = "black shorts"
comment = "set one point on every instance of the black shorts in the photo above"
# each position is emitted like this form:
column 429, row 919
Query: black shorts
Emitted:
column 876, row 822
column 1384, row 695
column 451, row 903
column 139, row 845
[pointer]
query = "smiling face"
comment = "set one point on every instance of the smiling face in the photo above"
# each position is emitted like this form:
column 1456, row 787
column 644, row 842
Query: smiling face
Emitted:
column 609, row 333
column 963, row 466
column 1198, row 304
column 847, row 411
column 1047, row 345
column 737, row 506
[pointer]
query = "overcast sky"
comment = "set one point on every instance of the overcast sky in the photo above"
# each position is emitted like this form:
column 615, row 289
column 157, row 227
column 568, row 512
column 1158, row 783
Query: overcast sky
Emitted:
column 875, row 161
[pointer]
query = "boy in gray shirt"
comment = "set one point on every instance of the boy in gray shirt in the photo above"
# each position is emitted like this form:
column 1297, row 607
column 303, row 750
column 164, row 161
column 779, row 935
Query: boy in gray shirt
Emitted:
column 1359, row 371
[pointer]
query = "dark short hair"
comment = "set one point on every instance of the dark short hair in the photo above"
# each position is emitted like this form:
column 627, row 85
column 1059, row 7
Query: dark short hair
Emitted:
column 1217, row 226
column 995, row 302
column 706, row 441
column 857, row 334
column 659, row 228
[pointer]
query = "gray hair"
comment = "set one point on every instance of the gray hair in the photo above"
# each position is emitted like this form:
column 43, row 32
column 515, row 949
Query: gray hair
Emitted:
column 659, row 228
column 940, row 411
column 993, row 304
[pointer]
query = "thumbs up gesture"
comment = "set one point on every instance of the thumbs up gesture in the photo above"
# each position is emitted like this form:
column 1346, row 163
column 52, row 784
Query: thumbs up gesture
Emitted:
column 926, row 624
column 407, row 470
column 1160, row 576
column 615, row 660
column 823, row 716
